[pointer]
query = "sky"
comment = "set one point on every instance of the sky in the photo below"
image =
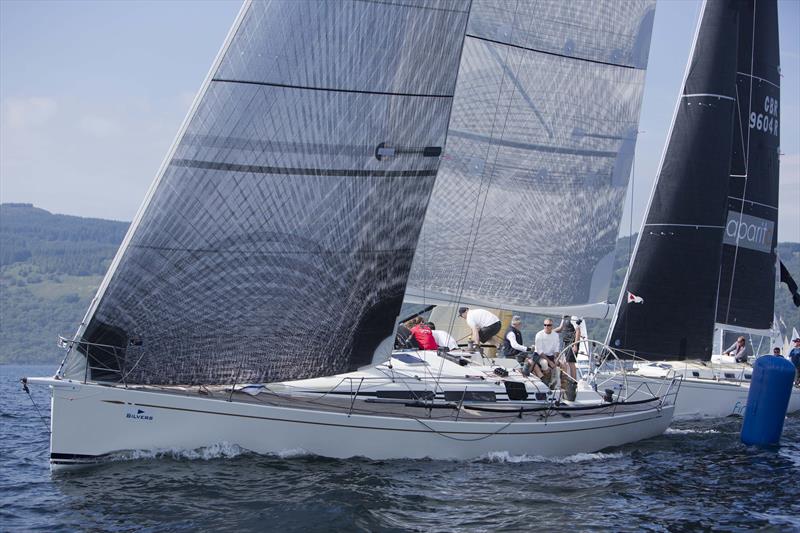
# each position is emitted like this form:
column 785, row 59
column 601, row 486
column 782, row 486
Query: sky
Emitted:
column 92, row 94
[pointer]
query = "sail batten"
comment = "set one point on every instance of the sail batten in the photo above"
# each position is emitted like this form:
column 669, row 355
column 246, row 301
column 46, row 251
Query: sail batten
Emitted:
column 550, row 52
column 331, row 89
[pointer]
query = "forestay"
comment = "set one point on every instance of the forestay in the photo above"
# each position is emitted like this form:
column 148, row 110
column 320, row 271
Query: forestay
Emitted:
column 526, row 208
column 277, row 238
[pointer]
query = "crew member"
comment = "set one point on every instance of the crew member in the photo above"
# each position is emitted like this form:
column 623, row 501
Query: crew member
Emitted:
column 443, row 338
column 512, row 342
column 547, row 343
column 403, row 339
column 513, row 347
column 484, row 324
column 738, row 350
column 794, row 355
column 424, row 336
column 570, row 334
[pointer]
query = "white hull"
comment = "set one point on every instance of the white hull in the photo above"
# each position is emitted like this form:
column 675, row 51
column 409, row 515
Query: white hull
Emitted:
column 90, row 422
column 706, row 398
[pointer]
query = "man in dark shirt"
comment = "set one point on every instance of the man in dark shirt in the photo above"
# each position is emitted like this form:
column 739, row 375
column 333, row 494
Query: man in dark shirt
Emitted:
column 794, row 355
column 570, row 336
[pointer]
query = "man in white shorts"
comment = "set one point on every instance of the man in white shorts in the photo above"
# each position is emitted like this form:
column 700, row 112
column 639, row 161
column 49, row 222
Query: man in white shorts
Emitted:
column 548, row 344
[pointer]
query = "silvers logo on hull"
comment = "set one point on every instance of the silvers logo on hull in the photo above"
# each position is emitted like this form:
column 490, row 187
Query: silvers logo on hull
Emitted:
column 139, row 415
column 749, row 232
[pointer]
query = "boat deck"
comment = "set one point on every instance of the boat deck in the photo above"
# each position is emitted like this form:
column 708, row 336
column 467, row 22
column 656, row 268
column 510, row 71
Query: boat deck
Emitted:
column 482, row 411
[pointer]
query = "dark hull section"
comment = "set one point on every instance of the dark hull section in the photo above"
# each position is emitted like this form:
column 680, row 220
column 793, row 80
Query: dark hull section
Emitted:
column 668, row 306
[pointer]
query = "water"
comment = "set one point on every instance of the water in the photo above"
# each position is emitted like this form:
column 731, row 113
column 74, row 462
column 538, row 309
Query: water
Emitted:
column 697, row 475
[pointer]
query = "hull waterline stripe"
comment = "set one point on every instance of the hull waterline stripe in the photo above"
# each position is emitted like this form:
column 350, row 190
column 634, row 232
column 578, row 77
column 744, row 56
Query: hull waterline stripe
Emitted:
column 328, row 89
column 73, row 456
column 261, row 169
column 759, row 79
column 732, row 99
column 556, row 54
column 659, row 415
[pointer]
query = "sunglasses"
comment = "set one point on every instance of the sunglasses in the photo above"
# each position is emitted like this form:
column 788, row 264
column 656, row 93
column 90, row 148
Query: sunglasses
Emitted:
column 548, row 325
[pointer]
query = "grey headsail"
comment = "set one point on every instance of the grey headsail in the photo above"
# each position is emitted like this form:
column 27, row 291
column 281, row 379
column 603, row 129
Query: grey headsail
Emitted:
column 747, row 279
column 719, row 175
column 277, row 238
column 528, row 200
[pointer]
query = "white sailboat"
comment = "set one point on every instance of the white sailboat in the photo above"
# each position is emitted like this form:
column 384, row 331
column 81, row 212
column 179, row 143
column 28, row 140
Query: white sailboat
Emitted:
column 271, row 255
column 705, row 260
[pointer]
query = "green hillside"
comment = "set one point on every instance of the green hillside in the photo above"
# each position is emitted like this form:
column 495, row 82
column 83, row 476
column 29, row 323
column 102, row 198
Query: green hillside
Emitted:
column 789, row 253
column 51, row 266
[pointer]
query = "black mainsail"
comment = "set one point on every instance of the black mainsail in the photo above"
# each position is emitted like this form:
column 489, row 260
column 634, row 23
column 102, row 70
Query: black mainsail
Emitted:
column 747, row 280
column 276, row 240
column 706, row 251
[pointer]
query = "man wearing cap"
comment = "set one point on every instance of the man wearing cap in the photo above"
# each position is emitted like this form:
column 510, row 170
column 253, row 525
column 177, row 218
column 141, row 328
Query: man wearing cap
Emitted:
column 484, row 325
column 794, row 355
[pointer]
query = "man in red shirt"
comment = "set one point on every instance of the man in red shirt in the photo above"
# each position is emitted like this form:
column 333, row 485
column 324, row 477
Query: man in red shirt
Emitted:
column 424, row 337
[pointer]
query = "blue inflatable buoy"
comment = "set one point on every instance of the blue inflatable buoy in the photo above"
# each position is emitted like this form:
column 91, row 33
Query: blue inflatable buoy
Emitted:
column 767, row 401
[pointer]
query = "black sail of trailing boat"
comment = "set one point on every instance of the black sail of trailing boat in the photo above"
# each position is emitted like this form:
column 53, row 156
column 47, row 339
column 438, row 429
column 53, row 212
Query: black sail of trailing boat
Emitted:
column 276, row 240
column 747, row 278
column 668, row 302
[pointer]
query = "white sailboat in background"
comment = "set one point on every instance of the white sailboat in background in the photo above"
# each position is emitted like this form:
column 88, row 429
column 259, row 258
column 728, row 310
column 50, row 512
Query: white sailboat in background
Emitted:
column 706, row 255
column 275, row 244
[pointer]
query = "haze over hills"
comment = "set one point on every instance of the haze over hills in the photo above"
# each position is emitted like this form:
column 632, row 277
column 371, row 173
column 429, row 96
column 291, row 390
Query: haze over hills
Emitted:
column 51, row 266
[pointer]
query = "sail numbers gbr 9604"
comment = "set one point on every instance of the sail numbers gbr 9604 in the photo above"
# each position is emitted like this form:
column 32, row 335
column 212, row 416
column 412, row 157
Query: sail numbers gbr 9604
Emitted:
column 767, row 121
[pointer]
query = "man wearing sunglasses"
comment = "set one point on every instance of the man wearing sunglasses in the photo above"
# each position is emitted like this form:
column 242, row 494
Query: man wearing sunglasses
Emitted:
column 547, row 343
